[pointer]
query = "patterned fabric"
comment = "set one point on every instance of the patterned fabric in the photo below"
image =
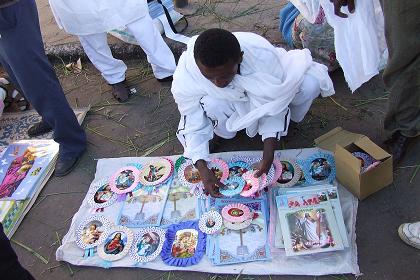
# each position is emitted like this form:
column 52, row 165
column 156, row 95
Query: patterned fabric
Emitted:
column 318, row 38
column 14, row 126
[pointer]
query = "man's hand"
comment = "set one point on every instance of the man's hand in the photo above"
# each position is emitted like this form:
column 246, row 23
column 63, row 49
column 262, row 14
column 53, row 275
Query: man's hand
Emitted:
column 338, row 4
column 210, row 182
column 268, row 155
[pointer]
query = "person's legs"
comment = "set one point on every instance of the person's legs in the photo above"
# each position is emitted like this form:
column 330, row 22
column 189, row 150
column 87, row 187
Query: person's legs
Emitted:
column 300, row 105
column 21, row 47
column 9, row 263
column 97, row 49
column 401, row 75
column 158, row 53
column 218, row 111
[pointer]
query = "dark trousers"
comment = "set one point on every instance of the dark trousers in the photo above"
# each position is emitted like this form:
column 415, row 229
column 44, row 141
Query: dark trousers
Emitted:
column 23, row 57
column 10, row 267
column 402, row 73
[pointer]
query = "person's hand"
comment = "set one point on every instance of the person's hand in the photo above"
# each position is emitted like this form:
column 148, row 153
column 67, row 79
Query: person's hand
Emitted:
column 268, row 155
column 338, row 4
column 263, row 167
column 210, row 182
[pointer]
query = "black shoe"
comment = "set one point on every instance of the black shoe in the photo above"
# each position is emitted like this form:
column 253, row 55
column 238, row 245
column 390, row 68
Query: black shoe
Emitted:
column 120, row 91
column 39, row 129
column 65, row 165
column 397, row 145
column 165, row 80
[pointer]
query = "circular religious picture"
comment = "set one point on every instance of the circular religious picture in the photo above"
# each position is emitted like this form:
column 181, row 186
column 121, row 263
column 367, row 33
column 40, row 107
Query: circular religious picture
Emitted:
column 156, row 172
column 236, row 212
column 100, row 194
column 117, row 243
column 219, row 168
column 191, row 174
column 148, row 244
column 252, row 184
column 290, row 174
column 319, row 167
column 232, row 186
column 90, row 232
column 238, row 168
column 185, row 244
column 210, row 222
column 124, row 180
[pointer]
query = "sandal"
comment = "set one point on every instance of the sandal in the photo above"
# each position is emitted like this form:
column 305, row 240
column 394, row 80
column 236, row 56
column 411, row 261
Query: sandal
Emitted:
column 14, row 100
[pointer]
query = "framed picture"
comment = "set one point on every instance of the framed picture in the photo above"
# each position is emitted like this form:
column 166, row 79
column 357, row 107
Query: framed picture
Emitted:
column 100, row 194
column 125, row 180
column 185, row 244
column 148, row 243
column 90, row 233
column 117, row 244
column 156, row 172
column 319, row 168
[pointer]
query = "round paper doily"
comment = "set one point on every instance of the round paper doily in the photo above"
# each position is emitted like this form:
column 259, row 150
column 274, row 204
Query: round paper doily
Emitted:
column 236, row 213
column 117, row 243
column 290, row 174
column 148, row 244
column 124, row 180
column 237, row 226
column 252, row 184
column 90, row 233
column 233, row 186
column 210, row 222
column 100, row 194
column 156, row 172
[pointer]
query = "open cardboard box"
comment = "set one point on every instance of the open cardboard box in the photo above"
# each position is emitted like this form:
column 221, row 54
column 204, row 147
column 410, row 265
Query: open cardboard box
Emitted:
column 349, row 174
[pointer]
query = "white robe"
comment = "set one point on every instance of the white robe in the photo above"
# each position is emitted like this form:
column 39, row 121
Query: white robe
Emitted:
column 260, row 95
column 85, row 17
column 359, row 39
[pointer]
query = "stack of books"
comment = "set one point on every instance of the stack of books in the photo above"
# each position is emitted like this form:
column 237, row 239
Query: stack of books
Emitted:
column 310, row 220
column 25, row 167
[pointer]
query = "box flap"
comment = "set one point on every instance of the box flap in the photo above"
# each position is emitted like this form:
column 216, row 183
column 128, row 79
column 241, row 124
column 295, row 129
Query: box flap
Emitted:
column 370, row 147
column 337, row 136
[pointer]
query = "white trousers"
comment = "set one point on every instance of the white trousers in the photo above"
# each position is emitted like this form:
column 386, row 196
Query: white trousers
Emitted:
column 219, row 111
column 113, row 70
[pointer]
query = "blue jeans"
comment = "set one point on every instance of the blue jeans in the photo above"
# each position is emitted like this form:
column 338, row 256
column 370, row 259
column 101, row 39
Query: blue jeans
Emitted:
column 23, row 57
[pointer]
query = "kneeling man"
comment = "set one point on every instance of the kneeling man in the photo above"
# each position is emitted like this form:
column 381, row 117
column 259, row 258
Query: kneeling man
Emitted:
column 226, row 82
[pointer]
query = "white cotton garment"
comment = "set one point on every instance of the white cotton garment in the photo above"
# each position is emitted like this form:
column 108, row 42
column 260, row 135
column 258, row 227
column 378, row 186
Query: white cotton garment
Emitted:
column 269, row 80
column 85, row 17
column 359, row 39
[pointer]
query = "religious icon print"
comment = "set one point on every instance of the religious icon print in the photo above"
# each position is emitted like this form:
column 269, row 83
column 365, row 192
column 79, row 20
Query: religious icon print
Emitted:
column 103, row 194
column 115, row 243
column 185, row 243
column 320, row 169
column 92, row 232
column 288, row 172
column 192, row 174
column 125, row 179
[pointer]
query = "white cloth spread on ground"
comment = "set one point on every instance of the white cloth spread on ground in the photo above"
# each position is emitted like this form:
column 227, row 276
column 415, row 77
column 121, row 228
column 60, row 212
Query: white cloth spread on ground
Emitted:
column 339, row 262
column 269, row 80
column 359, row 39
column 81, row 17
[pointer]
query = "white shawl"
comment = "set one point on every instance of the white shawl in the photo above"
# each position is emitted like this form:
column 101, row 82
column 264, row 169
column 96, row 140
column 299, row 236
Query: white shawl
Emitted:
column 268, row 81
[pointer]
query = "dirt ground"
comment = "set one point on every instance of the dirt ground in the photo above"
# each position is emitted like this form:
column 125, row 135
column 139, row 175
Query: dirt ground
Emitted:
column 146, row 125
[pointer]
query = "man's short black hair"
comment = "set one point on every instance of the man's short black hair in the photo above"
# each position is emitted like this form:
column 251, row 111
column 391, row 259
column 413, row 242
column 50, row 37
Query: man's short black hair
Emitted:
column 215, row 47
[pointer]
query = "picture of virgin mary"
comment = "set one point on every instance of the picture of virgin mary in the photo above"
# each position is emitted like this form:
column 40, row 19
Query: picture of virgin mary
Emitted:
column 115, row 245
column 17, row 172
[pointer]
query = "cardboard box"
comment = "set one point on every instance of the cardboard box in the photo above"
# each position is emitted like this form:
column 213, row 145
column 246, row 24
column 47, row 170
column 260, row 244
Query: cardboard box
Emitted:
column 349, row 174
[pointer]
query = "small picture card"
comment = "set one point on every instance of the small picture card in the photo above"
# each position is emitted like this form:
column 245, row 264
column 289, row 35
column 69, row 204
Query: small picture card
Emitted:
column 232, row 186
column 181, row 205
column 125, row 180
column 148, row 243
column 189, row 176
column 185, row 244
column 310, row 230
column 319, row 168
column 156, row 172
column 210, row 222
column 290, row 174
column 100, row 194
column 117, row 244
column 219, row 168
column 253, row 162
column 90, row 232
column 145, row 207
